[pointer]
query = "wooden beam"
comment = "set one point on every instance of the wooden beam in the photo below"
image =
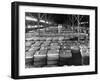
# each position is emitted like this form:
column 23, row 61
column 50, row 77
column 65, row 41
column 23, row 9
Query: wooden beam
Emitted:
column 41, row 17
column 81, row 18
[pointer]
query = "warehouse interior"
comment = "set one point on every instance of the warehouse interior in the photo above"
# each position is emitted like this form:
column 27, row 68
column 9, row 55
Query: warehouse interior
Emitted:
column 56, row 40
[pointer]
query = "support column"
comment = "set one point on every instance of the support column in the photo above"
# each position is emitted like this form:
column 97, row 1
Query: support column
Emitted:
column 78, row 28
column 45, row 21
column 72, row 24
column 38, row 22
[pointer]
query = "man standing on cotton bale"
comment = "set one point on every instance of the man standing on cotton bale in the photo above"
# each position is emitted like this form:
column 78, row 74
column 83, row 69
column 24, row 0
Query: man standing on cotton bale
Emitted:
column 59, row 28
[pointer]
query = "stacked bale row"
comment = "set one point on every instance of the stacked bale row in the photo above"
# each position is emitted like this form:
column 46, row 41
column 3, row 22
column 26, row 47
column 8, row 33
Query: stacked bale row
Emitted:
column 76, row 55
column 40, row 57
column 55, row 52
column 32, row 53
column 65, row 55
column 85, row 54
column 28, row 53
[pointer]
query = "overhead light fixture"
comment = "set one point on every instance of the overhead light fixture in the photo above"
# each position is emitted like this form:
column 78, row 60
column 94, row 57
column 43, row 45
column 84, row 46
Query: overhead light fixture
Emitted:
column 42, row 21
column 36, row 20
column 31, row 18
column 83, row 22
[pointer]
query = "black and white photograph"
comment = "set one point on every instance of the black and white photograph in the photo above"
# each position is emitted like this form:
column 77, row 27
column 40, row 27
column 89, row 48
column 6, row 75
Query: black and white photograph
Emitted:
column 56, row 40
column 51, row 40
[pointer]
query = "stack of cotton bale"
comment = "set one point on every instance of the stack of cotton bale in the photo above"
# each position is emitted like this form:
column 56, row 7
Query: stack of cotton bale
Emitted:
column 55, row 40
column 45, row 44
column 29, row 58
column 40, row 58
column 76, row 55
column 28, row 44
column 52, row 57
column 35, row 47
column 30, row 53
column 65, row 55
column 85, row 54
column 54, row 46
